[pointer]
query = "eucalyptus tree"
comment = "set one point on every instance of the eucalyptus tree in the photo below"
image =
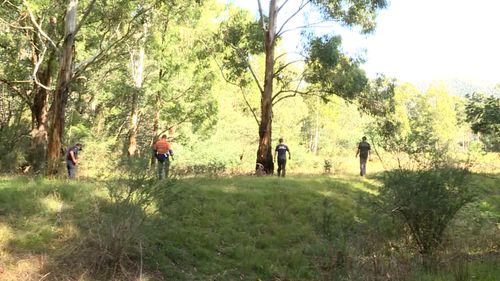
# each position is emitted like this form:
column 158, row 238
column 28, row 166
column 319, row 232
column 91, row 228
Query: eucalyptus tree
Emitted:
column 29, row 56
column 53, row 44
column 483, row 113
column 277, row 80
column 171, row 73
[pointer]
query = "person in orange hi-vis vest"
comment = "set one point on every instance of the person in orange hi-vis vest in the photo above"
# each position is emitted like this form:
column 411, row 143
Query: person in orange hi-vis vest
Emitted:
column 163, row 152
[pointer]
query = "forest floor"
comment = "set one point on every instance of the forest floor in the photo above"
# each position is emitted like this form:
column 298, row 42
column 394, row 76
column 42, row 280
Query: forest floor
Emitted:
column 325, row 227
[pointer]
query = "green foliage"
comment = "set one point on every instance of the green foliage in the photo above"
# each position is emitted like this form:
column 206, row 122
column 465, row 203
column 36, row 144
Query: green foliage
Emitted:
column 483, row 113
column 422, row 128
column 115, row 231
column 352, row 12
column 331, row 71
column 238, row 38
column 426, row 201
column 14, row 147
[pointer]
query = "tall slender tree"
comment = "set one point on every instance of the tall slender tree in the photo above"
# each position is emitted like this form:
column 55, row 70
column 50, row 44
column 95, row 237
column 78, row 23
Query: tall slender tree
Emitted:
column 278, row 81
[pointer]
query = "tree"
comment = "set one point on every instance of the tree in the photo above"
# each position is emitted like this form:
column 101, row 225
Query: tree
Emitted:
column 276, row 82
column 30, row 59
column 483, row 113
column 62, row 88
column 423, row 128
column 36, row 35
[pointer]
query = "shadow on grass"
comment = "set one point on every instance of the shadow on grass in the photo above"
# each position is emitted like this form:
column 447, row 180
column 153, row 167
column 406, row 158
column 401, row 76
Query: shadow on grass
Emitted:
column 37, row 216
column 237, row 228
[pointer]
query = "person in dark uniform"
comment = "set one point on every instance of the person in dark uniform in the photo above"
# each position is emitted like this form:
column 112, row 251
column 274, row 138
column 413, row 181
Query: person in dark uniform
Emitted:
column 280, row 153
column 364, row 155
column 72, row 159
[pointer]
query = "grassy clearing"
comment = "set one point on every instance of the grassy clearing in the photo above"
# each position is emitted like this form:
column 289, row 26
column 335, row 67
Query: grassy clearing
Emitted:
column 232, row 228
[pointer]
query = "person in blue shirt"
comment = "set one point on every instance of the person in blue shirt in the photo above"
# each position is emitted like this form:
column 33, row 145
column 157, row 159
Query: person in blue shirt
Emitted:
column 280, row 153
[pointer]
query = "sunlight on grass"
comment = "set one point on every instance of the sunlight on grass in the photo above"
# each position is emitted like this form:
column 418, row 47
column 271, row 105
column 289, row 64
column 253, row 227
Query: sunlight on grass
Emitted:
column 230, row 189
column 51, row 204
column 326, row 193
column 5, row 233
column 209, row 228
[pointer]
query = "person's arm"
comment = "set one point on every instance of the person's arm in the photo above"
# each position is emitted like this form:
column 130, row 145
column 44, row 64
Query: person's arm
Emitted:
column 357, row 152
column 72, row 155
column 171, row 152
column 289, row 154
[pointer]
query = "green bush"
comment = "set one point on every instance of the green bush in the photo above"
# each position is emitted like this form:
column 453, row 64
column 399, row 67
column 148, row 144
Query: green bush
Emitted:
column 116, row 234
column 14, row 145
column 426, row 201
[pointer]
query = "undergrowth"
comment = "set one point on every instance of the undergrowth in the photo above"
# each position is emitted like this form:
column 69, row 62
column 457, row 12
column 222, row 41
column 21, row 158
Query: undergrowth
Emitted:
column 231, row 228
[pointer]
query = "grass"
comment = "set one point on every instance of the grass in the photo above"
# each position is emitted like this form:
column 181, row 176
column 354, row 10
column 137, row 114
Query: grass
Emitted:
column 231, row 228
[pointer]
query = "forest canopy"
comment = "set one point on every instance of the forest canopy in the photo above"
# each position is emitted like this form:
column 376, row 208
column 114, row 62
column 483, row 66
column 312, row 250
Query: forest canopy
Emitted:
column 218, row 81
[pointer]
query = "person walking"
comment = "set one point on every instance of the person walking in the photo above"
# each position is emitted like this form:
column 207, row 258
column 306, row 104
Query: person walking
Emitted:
column 364, row 155
column 280, row 153
column 163, row 152
column 72, row 159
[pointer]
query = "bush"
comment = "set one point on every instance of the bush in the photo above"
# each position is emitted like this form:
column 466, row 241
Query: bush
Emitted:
column 14, row 142
column 426, row 201
column 116, row 234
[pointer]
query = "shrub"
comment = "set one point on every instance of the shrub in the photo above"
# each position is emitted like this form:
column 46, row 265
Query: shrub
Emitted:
column 426, row 201
column 116, row 230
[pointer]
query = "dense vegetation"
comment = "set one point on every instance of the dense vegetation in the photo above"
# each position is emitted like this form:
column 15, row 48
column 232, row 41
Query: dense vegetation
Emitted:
column 223, row 84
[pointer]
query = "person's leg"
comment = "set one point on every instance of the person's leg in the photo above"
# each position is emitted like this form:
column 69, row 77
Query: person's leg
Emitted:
column 167, row 167
column 68, row 166
column 283, row 168
column 161, row 169
column 71, row 169
column 279, row 167
column 362, row 165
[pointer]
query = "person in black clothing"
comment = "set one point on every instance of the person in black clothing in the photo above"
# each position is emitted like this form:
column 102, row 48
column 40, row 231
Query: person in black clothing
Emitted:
column 72, row 159
column 364, row 154
column 280, row 153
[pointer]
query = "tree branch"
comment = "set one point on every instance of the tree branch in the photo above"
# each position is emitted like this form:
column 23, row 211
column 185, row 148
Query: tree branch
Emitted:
column 37, row 66
column 302, row 6
column 249, row 106
column 281, row 68
column 313, row 25
column 82, row 66
column 241, row 89
column 249, row 67
column 282, row 5
column 38, row 27
column 85, row 15
column 18, row 91
column 261, row 14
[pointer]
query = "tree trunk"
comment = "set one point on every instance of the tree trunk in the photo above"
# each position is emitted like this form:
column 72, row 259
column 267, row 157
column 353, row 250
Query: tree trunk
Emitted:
column 156, row 123
column 137, row 65
column 39, row 105
column 62, row 90
column 134, row 125
column 264, row 152
column 316, row 129
column 39, row 112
